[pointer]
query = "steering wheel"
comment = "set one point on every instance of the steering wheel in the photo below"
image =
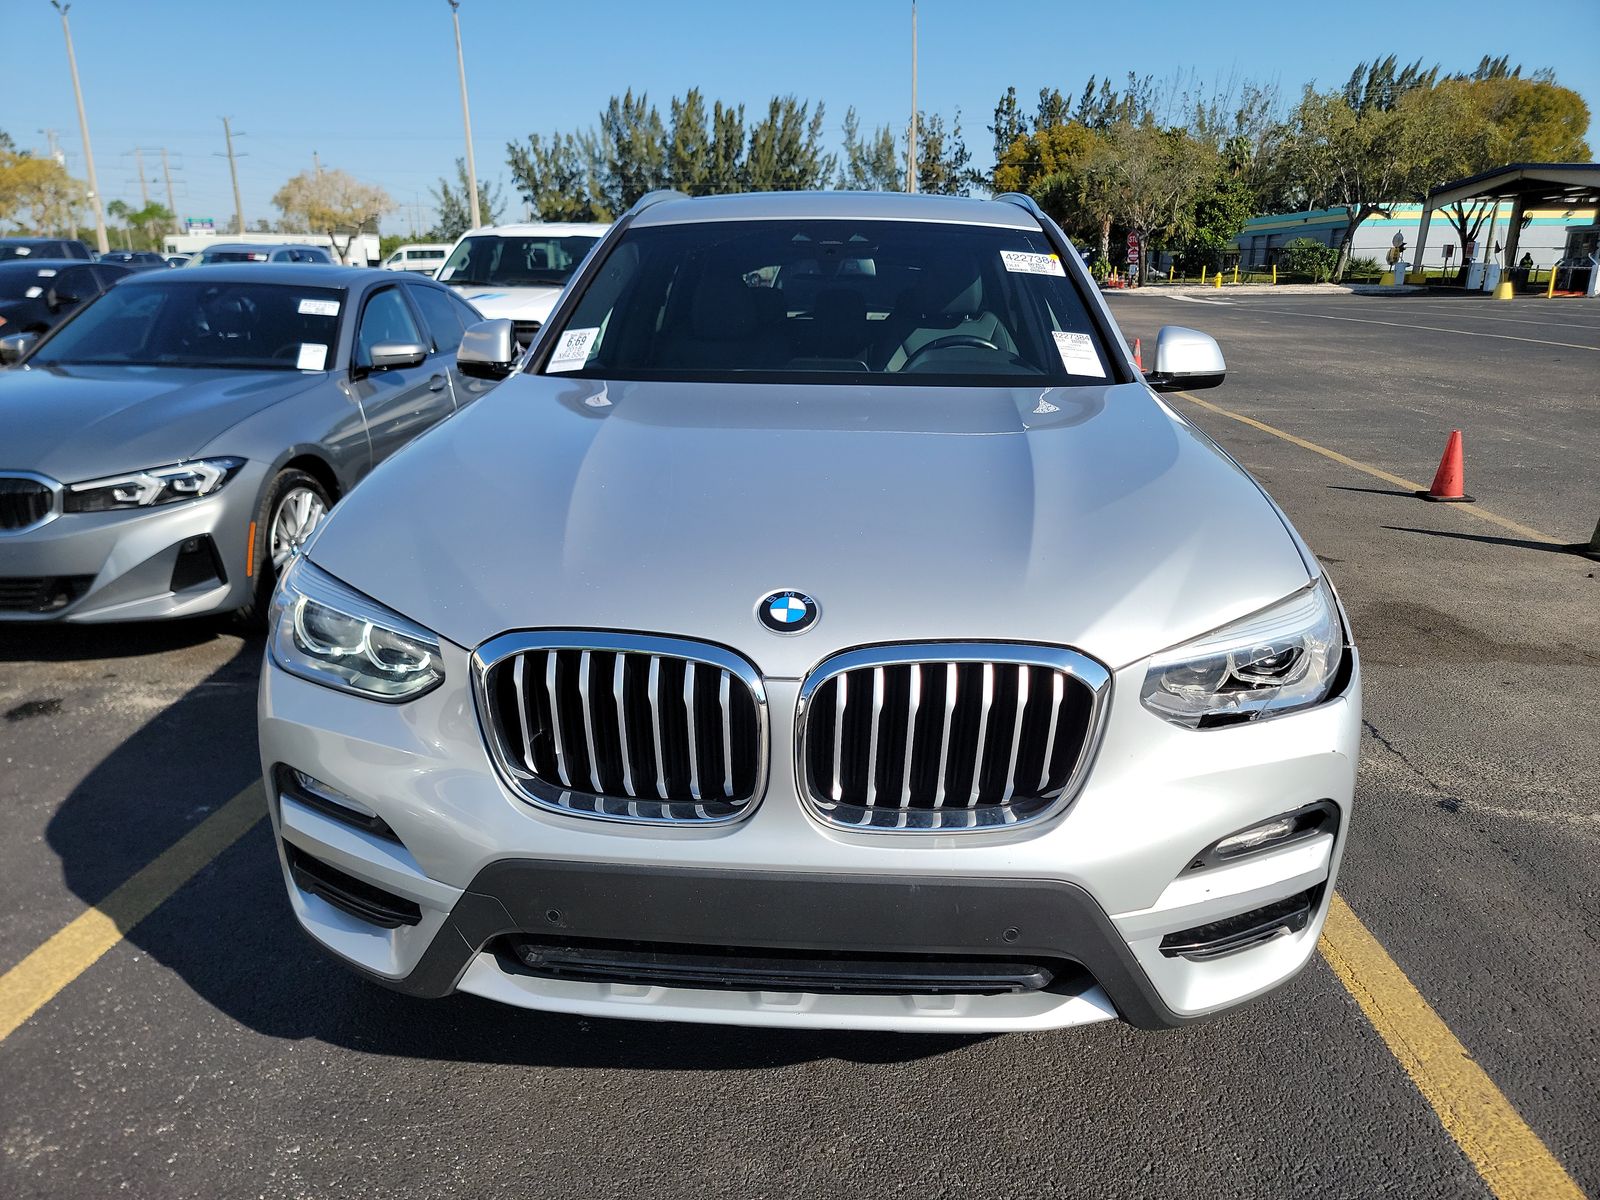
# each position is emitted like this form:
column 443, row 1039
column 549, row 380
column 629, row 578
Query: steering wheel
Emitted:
column 947, row 342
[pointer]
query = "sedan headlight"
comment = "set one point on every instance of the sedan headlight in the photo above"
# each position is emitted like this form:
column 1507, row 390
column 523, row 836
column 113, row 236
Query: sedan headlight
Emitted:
column 331, row 634
column 158, row 485
column 1275, row 661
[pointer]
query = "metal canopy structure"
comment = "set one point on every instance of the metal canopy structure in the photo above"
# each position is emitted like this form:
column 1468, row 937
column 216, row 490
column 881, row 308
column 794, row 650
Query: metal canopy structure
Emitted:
column 1525, row 185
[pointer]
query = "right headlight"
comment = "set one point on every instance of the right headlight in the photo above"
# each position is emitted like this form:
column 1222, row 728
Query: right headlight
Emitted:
column 331, row 634
column 1282, row 658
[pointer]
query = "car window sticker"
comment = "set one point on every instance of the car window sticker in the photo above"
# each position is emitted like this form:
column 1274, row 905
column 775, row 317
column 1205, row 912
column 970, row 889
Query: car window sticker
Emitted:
column 313, row 356
column 1077, row 354
column 319, row 308
column 1019, row 262
column 572, row 351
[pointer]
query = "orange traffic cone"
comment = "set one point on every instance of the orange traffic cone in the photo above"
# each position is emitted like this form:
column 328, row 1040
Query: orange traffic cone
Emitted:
column 1451, row 477
column 1138, row 355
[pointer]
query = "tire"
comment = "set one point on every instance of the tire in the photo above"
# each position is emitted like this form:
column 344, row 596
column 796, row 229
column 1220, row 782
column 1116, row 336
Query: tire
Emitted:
column 292, row 506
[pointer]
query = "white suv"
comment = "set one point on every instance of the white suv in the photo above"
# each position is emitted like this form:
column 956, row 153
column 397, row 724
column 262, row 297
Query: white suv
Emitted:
column 518, row 271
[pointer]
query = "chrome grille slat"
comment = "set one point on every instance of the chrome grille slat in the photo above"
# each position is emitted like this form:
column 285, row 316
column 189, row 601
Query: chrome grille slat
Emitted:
column 642, row 758
column 992, row 753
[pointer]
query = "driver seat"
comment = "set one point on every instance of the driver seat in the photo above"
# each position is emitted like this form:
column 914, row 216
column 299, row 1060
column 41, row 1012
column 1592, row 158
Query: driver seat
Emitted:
column 947, row 300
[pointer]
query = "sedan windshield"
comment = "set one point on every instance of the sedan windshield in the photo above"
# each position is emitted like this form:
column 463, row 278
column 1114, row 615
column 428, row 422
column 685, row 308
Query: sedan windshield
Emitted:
column 178, row 323
column 18, row 282
column 515, row 261
column 833, row 301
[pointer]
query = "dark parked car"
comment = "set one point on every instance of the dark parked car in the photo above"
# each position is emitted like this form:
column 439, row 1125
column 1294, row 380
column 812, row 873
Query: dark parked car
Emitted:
column 136, row 260
column 36, row 295
column 34, row 247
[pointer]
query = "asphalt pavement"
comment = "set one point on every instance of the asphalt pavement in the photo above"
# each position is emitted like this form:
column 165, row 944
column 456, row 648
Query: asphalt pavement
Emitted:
column 213, row 1052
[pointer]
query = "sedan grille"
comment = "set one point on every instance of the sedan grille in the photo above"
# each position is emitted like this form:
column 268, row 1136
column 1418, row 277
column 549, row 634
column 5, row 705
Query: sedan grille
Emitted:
column 24, row 502
column 623, row 727
column 948, row 737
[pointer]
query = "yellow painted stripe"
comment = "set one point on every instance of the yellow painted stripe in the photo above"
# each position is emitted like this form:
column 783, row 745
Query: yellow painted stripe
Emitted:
column 1410, row 485
column 1491, row 1133
column 35, row 981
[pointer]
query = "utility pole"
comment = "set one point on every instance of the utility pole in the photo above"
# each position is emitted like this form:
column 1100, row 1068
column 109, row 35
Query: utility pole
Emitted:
column 316, row 164
column 83, row 124
column 172, row 204
column 911, row 144
column 233, row 169
column 466, row 118
column 144, row 188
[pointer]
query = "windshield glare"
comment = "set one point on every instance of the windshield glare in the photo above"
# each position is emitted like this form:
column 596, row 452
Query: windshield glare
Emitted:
column 516, row 261
column 254, row 326
column 833, row 301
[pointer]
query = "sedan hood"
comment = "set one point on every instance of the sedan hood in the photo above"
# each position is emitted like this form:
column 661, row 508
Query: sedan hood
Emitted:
column 1092, row 517
column 76, row 423
column 517, row 304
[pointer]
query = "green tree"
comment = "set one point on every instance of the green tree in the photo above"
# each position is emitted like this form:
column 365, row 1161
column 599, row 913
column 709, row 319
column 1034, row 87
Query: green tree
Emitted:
column 558, row 178
column 786, row 150
column 453, row 201
column 1008, row 123
column 869, row 164
column 725, row 165
column 943, row 162
column 633, row 150
column 689, row 146
column 36, row 193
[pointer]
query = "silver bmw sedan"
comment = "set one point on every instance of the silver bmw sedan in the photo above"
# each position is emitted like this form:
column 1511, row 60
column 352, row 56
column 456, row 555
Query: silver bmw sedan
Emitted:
column 826, row 625
column 165, row 451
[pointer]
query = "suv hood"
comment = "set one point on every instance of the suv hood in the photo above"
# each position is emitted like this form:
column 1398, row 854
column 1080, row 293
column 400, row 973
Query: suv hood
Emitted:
column 77, row 423
column 1091, row 517
column 518, row 304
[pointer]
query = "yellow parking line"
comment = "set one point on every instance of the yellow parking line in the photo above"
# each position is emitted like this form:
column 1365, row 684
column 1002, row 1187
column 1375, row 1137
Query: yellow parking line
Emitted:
column 1483, row 514
column 1514, row 1163
column 35, row 981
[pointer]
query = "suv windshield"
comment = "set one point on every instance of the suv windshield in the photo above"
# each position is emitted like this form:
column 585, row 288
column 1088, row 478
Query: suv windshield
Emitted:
column 253, row 326
column 519, row 260
column 832, row 301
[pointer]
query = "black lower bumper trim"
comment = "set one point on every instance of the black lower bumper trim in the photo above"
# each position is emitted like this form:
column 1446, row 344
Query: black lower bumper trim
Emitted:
column 1017, row 921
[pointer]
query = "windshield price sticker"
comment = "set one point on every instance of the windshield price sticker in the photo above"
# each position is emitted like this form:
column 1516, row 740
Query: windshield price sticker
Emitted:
column 33, row 293
column 313, row 356
column 572, row 351
column 319, row 308
column 1078, row 356
column 1021, row 263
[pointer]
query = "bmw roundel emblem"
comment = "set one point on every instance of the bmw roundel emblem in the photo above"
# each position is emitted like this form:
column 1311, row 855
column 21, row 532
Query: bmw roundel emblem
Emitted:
column 787, row 612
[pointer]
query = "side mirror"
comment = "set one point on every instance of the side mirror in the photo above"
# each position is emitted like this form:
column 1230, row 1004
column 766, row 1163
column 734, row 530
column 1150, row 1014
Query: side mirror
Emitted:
column 386, row 356
column 14, row 347
column 1186, row 358
column 488, row 349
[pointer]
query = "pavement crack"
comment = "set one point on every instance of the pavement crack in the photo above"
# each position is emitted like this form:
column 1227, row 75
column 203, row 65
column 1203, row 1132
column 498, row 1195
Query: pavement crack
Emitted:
column 1400, row 754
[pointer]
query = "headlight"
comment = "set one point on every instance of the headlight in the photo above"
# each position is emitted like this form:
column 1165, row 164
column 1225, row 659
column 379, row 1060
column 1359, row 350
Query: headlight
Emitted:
column 331, row 634
column 158, row 485
column 1279, row 659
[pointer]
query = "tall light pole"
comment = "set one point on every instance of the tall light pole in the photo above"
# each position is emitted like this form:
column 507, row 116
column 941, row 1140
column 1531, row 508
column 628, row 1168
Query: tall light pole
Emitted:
column 911, row 145
column 83, row 125
column 466, row 117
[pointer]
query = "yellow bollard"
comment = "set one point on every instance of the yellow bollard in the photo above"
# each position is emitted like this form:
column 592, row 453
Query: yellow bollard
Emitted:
column 1169, row 272
column 1274, row 274
column 1219, row 279
column 1236, row 272
column 1550, row 292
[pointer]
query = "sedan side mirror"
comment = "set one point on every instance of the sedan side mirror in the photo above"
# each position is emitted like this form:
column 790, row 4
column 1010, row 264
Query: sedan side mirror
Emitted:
column 55, row 300
column 1186, row 358
column 386, row 356
column 488, row 349
column 15, row 347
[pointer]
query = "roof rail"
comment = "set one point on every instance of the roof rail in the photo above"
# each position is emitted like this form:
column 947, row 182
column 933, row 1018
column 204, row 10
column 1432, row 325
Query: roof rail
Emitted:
column 656, row 197
column 1023, row 201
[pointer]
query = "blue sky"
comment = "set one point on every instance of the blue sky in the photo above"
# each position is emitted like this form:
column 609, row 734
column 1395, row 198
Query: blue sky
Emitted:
column 370, row 85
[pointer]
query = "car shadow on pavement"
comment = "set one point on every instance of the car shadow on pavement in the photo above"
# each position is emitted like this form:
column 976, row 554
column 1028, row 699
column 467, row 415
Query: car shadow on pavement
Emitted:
column 230, row 936
column 72, row 643
column 1489, row 539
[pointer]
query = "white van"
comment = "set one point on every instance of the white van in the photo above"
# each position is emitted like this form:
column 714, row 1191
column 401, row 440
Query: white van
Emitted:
column 419, row 256
column 518, row 271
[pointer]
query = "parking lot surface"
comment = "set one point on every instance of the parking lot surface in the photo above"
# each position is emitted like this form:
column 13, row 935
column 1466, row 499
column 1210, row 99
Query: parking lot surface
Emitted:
column 213, row 1052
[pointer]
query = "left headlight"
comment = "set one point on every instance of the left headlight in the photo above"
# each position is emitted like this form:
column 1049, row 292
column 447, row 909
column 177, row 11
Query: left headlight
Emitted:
column 331, row 634
column 158, row 485
column 1282, row 658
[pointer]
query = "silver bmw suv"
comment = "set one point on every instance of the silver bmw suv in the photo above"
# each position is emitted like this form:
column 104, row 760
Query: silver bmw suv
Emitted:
column 825, row 625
